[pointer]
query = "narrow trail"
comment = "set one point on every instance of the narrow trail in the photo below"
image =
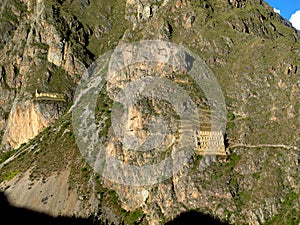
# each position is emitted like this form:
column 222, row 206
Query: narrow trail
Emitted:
column 266, row 145
column 13, row 157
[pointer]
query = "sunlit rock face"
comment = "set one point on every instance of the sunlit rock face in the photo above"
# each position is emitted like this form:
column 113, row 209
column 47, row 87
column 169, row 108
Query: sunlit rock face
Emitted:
column 25, row 122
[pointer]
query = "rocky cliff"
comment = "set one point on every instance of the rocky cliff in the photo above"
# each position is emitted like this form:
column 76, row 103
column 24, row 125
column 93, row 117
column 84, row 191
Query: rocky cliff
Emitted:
column 47, row 45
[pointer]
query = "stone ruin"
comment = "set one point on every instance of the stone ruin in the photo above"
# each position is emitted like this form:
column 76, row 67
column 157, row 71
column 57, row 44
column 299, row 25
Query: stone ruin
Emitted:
column 209, row 143
column 49, row 96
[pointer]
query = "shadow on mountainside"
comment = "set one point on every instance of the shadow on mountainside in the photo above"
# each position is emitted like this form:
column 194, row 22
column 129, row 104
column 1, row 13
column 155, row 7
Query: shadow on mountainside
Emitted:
column 16, row 215
column 195, row 218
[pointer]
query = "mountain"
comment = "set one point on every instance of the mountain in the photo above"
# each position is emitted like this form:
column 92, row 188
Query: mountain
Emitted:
column 51, row 48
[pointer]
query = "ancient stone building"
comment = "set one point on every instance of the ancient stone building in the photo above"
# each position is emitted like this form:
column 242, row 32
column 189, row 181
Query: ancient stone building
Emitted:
column 54, row 96
column 209, row 143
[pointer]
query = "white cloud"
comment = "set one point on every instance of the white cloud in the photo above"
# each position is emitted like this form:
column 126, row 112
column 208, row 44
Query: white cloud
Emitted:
column 277, row 10
column 295, row 20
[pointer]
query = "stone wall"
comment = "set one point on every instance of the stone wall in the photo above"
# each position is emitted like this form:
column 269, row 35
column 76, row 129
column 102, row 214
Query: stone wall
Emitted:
column 55, row 96
column 209, row 143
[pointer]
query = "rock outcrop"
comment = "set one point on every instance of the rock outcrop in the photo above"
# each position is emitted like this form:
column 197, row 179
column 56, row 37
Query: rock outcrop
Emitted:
column 24, row 122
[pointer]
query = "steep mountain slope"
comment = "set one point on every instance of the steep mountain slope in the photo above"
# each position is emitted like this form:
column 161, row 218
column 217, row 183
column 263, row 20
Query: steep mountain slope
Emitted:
column 46, row 45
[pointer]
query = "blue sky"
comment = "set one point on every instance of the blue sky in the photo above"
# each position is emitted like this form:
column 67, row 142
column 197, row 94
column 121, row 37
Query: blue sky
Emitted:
column 289, row 9
column 286, row 7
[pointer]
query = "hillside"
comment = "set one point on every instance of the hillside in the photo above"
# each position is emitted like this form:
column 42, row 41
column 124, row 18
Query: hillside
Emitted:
column 55, row 47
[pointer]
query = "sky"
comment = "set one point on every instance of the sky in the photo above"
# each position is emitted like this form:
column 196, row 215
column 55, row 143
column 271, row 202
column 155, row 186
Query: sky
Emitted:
column 289, row 9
